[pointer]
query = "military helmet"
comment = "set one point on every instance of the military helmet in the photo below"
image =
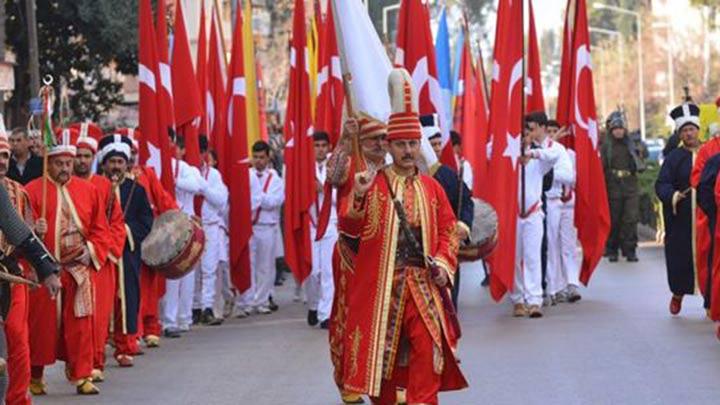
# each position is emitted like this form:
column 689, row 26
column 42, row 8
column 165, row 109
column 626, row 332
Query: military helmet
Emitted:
column 616, row 119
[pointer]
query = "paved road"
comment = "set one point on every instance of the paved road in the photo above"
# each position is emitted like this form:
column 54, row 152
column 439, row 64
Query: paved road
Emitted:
column 617, row 346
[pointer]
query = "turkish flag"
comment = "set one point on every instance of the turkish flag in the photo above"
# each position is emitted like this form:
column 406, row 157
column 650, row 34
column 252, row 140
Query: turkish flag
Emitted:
column 331, row 93
column 506, row 119
column 238, row 165
column 534, row 91
column 216, row 102
column 416, row 53
column 186, row 94
column 471, row 120
column 592, row 214
column 299, row 155
column 201, row 71
column 566, row 77
column 261, row 102
column 155, row 147
column 165, row 92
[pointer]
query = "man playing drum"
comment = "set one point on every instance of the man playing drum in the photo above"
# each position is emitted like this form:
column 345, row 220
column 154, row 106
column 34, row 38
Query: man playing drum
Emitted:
column 137, row 214
column 455, row 188
column 178, row 299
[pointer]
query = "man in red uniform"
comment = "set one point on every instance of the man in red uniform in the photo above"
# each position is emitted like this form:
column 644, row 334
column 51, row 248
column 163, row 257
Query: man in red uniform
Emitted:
column 16, row 327
column 74, row 228
column 398, row 328
column 152, row 284
column 105, row 281
column 348, row 158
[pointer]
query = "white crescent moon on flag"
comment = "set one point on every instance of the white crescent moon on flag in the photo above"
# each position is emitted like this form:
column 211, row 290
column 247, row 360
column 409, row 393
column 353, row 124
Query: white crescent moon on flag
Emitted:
column 583, row 61
column 512, row 148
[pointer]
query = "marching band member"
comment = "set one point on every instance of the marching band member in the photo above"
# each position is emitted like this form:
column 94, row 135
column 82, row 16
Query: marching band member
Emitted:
column 320, row 287
column 71, row 222
column 268, row 192
column 138, row 219
column 213, row 207
column 527, row 294
column 178, row 299
column 105, row 281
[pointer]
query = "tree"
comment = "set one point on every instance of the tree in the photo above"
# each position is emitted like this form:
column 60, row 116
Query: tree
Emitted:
column 85, row 42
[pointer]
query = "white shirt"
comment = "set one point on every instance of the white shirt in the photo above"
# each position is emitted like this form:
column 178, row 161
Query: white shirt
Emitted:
column 270, row 201
column 216, row 197
column 188, row 183
column 321, row 175
column 543, row 160
column 563, row 170
column 467, row 174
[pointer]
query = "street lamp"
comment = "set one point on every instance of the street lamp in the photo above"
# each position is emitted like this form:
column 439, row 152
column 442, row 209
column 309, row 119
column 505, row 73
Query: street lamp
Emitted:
column 638, row 17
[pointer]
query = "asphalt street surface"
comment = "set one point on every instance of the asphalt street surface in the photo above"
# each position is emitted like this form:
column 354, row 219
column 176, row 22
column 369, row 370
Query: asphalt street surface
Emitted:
column 618, row 345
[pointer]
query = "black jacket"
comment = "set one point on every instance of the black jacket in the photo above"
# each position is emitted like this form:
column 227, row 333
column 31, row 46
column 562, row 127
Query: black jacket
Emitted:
column 33, row 170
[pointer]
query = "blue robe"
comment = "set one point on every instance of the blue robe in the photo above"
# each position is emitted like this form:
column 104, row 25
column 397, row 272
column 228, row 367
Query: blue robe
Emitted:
column 675, row 177
column 139, row 220
column 706, row 202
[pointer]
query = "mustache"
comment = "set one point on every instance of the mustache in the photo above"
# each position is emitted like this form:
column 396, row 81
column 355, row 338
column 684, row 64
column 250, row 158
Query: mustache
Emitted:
column 408, row 157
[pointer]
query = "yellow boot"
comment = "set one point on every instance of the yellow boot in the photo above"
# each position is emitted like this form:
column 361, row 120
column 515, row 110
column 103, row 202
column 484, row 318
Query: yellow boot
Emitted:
column 351, row 398
column 401, row 396
column 97, row 376
column 38, row 387
column 152, row 341
column 86, row 387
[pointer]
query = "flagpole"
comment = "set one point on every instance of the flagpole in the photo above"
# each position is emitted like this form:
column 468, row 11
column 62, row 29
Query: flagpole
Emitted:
column 45, row 95
column 347, row 83
column 522, row 115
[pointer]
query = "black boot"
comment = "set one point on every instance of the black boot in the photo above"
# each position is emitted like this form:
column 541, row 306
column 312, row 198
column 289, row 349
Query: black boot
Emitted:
column 312, row 318
column 272, row 305
column 197, row 316
column 632, row 257
column 612, row 257
column 325, row 324
column 208, row 318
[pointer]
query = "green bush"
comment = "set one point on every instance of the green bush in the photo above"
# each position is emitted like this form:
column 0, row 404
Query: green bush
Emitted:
column 650, row 207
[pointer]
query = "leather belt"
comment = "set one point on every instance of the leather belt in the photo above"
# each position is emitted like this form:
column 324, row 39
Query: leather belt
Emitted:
column 409, row 262
column 621, row 174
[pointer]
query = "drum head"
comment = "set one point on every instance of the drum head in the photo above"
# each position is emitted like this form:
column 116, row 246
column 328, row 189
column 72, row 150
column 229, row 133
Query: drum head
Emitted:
column 170, row 234
column 485, row 221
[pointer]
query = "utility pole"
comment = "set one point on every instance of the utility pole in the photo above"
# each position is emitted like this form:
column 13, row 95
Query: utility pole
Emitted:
column 33, row 48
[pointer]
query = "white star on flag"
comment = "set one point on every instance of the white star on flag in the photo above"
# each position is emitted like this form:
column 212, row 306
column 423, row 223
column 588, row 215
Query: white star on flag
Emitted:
column 512, row 150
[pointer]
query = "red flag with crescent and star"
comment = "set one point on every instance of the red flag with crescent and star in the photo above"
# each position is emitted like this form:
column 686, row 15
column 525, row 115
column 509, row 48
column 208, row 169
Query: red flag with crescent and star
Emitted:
column 506, row 124
column 592, row 214
column 416, row 53
column 238, row 164
column 299, row 154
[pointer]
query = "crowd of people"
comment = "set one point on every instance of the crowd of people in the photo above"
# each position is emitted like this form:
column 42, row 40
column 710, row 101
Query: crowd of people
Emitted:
column 386, row 226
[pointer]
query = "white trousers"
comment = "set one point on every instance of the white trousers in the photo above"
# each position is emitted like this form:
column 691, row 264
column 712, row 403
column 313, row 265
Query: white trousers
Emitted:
column 562, row 263
column 177, row 301
column 528, row 268
column 319, row 286
column 263, row 251
column 205, row 280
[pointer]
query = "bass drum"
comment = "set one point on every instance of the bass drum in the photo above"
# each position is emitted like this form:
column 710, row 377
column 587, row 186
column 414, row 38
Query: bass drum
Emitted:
column 175, row 244
column 483, row 237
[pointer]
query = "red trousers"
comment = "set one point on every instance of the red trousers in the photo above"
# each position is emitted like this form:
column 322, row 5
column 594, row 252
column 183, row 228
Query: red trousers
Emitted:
column 18, row 347
column 419, row 377
column 72, row 341
column 151, row 289
column 124, row 343
column 105, row 287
